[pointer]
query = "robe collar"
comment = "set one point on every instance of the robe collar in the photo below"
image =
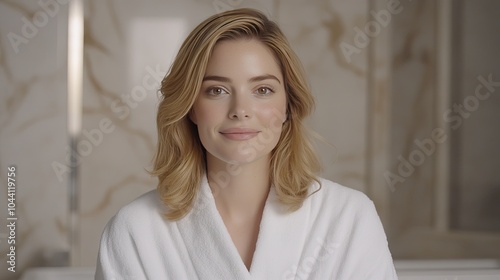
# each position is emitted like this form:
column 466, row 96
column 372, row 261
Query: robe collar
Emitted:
column 213, row 253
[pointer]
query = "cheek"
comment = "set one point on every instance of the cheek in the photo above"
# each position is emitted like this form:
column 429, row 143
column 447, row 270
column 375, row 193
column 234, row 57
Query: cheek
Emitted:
column 204, row 115
column 274, row 112
column 273, row 117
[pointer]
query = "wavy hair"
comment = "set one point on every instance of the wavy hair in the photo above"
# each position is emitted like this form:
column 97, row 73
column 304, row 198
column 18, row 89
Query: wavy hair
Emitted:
column 179, row 161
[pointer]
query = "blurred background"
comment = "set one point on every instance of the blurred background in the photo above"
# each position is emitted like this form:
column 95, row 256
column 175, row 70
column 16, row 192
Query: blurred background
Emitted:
column 407, row 92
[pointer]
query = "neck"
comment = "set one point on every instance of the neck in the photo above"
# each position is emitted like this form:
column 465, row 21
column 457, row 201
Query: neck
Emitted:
column 240, row 191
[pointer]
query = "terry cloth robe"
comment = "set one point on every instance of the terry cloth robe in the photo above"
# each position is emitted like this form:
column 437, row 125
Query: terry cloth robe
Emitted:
column 336, row 234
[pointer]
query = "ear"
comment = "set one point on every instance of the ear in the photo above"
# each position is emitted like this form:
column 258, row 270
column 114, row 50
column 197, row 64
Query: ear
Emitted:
column 192, row 116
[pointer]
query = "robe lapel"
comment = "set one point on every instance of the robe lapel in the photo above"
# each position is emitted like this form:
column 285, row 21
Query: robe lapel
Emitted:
column 208, row 242
column 281, row 240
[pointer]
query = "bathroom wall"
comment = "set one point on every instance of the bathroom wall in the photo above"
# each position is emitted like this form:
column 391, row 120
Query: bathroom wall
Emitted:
column 413, row 87
column 443, row 155
column 32, row 132
column 475, row 151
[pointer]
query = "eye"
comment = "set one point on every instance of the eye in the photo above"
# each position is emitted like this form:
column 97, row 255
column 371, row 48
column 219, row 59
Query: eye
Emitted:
column 216, row 91
column 264, row 91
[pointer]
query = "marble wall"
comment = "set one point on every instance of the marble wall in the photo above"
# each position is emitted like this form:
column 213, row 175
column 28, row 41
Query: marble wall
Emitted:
column 412, row 117
column 33, row 130
column 456, row 217
column 476, row 155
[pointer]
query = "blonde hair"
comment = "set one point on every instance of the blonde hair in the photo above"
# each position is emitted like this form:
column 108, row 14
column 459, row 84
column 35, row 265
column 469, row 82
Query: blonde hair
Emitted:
column 179, row 162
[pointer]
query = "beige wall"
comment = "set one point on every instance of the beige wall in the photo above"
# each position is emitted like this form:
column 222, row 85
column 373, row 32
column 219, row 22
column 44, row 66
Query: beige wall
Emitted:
column 446, row 203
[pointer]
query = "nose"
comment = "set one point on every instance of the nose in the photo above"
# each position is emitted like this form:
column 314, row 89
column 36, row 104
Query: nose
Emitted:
column 240, row 108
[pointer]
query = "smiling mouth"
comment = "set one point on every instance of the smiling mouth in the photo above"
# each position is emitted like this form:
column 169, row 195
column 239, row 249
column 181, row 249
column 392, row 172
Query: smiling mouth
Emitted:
column 239, row 135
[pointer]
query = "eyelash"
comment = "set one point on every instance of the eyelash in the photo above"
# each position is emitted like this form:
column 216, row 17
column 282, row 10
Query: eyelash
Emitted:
column 269, row 91
column 210, row 91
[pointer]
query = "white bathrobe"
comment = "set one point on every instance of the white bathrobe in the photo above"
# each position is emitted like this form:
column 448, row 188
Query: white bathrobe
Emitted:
column 336, row 234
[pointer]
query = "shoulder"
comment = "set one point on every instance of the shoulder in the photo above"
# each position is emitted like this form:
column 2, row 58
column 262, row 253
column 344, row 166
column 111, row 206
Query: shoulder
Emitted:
column 344, row 205
column 352, row 225
column 336, row 195
column 345, row 208
column 126, row 238
column 148, row 203
column 142, row 210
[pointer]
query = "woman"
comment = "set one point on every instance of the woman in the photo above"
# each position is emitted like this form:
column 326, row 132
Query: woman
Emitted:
column 238, row 194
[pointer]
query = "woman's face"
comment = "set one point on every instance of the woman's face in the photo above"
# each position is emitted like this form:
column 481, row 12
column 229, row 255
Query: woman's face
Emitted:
column 241, row 106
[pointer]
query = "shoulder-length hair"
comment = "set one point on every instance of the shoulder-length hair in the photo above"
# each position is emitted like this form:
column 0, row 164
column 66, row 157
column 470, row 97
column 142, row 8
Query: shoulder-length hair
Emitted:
column 179, row 161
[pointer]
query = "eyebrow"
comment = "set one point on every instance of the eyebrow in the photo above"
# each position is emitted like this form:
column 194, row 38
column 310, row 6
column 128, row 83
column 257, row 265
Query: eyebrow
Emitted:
column 253, row 79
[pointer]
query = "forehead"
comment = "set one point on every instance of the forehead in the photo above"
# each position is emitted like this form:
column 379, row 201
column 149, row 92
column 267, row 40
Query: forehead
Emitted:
column 247, row 57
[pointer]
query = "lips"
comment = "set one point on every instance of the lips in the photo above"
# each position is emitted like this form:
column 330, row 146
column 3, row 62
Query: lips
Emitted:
column 239, row 134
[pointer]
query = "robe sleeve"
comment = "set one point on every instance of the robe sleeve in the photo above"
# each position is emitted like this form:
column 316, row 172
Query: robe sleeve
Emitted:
column 368, row 256
column 118, row 257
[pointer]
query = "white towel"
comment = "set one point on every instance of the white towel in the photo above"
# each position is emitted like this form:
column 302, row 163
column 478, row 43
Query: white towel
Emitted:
column 336, row 234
